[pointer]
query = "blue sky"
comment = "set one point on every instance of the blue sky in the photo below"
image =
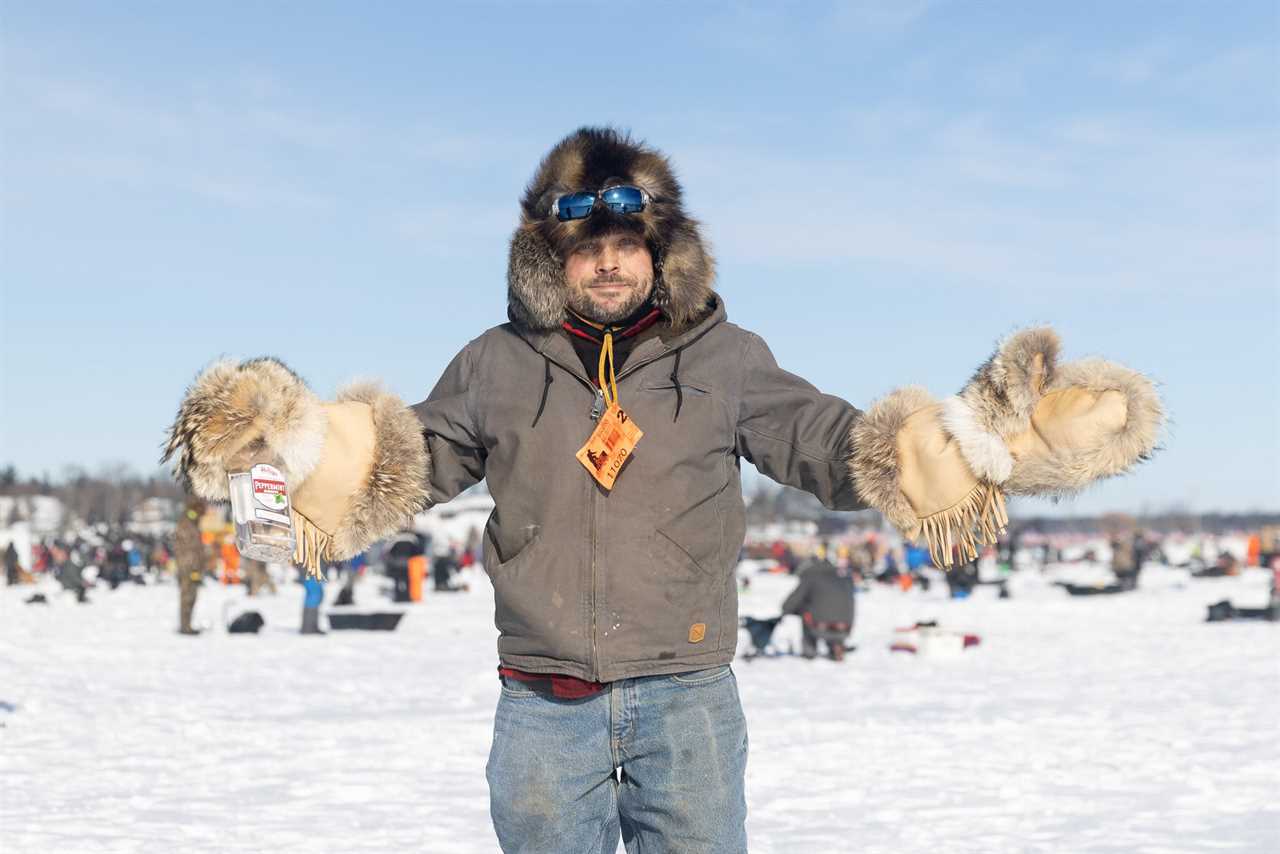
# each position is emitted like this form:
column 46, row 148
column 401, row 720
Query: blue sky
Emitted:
column 889, row 189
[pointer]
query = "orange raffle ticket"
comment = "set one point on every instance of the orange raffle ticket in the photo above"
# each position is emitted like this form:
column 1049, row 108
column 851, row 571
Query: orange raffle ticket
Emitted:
column 610, row 445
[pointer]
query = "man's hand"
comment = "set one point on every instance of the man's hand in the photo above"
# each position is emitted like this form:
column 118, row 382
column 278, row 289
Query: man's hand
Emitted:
column 357, row 467
column 1023, row 425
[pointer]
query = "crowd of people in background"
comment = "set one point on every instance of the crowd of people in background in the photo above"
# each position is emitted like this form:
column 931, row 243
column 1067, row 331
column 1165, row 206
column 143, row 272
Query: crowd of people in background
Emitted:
column 829, row 570
column 201, row 550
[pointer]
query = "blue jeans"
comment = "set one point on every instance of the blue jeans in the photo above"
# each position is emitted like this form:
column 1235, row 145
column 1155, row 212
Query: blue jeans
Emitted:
column 680, row 742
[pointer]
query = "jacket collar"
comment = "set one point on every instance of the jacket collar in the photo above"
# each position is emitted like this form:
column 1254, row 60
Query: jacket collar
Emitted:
column 555, row 345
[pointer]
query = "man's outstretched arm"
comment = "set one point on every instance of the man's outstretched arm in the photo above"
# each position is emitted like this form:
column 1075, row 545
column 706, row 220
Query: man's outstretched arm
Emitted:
column 449, row 430
column 1023, row 425
column 793, row 433
column 358, row 467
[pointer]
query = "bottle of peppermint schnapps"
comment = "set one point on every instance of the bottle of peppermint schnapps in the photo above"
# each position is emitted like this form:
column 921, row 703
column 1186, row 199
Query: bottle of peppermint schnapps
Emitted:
column 260, row 510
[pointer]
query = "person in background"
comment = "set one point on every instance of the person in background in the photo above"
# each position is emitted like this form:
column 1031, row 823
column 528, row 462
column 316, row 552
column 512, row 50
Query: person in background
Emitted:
column 133, row 561
column 11, row 565
column 70, row 563
column 962, row 577
column 916, row 559
column 193, row 559
column 406, row 545
column 1225, row 564
column 890, row 565
column 159, row 558
column 1253, row 551
column 1124, row 560
column 117, row 565
column 312, row 599
column 230, row 561
column 256, row 576
column 442, row 570
column 824, row 602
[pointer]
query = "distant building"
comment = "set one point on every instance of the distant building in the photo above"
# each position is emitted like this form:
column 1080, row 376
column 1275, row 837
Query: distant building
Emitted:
column 43, row 514
column 156, row 517
column 26, row 520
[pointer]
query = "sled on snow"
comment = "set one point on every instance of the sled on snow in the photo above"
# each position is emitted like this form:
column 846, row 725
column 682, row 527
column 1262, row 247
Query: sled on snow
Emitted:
column 1221, row 612
column 369, row 621
column 926, row 639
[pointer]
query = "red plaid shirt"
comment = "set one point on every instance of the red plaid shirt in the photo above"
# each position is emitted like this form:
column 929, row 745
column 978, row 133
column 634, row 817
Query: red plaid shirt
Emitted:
column 554, row 684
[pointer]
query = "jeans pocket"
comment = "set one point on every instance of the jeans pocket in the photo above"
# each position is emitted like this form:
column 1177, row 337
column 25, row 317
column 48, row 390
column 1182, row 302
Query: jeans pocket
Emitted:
column 514, row 688
column 702, row 677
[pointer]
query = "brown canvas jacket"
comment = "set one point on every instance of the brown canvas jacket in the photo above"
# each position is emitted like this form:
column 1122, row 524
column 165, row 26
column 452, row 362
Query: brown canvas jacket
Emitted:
column 637, row 581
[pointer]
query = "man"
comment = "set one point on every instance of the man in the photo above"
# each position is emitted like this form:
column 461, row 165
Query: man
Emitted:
column 257, row 577
column 405, row 547
column 824, row 602
column 312, row 599
column 11, row 564
column 962, row 578
column 1124, row 560
column 192, row 558
column 443, row 566
column 610, row 418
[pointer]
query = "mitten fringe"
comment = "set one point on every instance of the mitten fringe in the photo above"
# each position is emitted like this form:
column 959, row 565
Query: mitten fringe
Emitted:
column 979, row 518
column 311, row 545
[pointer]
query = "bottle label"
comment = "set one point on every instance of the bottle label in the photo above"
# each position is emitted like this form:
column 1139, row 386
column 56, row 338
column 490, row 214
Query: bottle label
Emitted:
column 270, row 496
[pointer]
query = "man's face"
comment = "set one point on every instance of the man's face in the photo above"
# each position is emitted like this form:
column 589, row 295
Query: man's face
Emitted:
column 609, row 276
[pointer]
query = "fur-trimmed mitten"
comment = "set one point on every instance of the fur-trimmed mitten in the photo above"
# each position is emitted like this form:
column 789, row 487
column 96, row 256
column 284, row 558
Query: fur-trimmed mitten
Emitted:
column 357, row 467
column 1023, row 425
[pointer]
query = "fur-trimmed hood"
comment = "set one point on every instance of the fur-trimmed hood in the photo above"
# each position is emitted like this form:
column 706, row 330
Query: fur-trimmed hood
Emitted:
column 590, row 159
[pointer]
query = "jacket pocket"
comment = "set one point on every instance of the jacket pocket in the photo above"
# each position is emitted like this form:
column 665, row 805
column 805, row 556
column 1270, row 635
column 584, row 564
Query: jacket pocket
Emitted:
column 518, row 594
column 684, row 552
column 693, row 403
column 497, row 568
column 698, row 533
column 692, row 386
column 500, row 552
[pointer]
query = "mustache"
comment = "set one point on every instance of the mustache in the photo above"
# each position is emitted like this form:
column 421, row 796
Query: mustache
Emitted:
column 614, row 279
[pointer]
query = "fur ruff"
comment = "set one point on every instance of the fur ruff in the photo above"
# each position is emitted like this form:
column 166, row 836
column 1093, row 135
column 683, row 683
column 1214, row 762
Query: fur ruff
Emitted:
column 998, row 400
column 985, row 452
column 874, row 462
column 875, row 465
column 1005, row 389
column 1068, row 472
column 397, row 485
column 233, row 413
column 590, row 159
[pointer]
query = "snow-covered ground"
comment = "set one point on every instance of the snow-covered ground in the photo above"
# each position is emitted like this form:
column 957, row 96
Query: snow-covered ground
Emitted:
column 1108, row 724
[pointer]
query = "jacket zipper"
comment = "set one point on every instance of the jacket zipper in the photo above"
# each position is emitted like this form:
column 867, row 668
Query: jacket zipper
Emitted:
column 597, row 409
column 595, row 651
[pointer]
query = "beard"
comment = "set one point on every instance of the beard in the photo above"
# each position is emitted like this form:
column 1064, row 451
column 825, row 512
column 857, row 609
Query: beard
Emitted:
column 580, row 299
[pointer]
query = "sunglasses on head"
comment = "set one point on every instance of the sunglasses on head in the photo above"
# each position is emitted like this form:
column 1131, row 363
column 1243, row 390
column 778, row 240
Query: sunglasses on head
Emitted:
column 621, row 199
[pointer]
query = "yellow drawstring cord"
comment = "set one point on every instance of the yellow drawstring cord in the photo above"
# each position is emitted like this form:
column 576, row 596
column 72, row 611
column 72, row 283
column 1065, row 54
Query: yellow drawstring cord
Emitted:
column 608, row 392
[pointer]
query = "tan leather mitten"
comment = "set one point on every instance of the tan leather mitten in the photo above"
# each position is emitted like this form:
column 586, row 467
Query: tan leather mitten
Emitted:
column 1096, row 419
column 1023, row 425
column 357, row 467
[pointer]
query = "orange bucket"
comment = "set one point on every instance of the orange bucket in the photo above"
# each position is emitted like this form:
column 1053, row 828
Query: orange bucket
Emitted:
column 417, row 572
